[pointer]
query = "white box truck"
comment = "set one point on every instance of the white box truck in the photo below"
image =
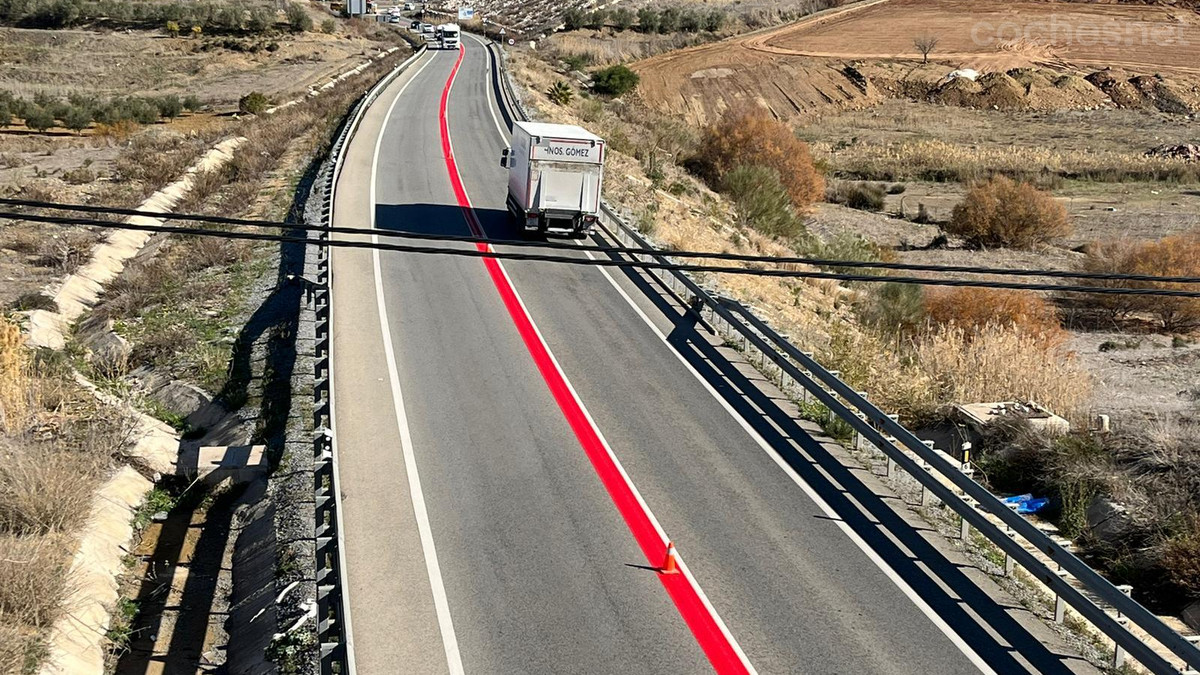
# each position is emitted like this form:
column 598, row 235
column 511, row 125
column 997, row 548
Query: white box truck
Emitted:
column 554, row 176
column 448, row 36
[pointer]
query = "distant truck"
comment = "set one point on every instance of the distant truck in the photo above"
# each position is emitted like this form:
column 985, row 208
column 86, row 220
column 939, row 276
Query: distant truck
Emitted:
column 554, row 176
column 448, row 35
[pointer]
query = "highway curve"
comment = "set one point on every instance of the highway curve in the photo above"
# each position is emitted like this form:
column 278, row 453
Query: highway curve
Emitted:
column 517, row 442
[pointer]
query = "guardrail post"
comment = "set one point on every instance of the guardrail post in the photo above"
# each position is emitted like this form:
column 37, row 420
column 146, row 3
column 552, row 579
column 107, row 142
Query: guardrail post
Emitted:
column 1118, row 659
column 858, row 438
column 964, row 526
column 1009, row 563
column 891, row 463
column 925, row 493
column 1195, row 642
column 1060, row 605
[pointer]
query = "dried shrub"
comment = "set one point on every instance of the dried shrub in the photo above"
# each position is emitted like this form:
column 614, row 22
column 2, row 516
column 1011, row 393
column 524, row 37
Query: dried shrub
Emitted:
column 207, row 252
column 975, row 308
column 32, row 571
column 1170, row 256
column 1181, row 558
column 1002, row 212
column 751, row 137
column 892, row 307
column 68, row 251
column 876, row 363
column 861, row 196
column 1111, row 256
column 45, row 490
column 14, row 377
column 762, row 201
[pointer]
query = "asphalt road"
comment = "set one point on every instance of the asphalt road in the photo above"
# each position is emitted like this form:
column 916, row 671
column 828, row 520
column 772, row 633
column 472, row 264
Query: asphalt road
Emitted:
column 479, row 533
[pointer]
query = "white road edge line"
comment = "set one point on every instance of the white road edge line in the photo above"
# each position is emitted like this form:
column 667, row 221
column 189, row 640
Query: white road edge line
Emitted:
column 737, row 648
column 808, row 489
column 440, row 602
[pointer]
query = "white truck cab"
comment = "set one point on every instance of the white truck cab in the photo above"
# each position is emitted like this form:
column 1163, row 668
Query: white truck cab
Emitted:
column 449, row 36
column 555, row 172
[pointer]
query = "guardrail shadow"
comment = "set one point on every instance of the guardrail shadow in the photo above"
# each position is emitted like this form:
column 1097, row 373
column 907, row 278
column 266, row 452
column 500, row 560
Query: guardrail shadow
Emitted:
column 842, row 489
column 440, row 219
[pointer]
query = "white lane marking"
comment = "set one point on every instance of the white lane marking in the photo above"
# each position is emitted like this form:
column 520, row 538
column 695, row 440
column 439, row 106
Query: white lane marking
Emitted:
column 737, row 648
column 440, row 602
column 808, row 489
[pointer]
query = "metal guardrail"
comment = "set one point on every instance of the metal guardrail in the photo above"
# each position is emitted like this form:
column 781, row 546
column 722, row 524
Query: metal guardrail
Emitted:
column 730, row 319
column 882, row 431
column 333, row 613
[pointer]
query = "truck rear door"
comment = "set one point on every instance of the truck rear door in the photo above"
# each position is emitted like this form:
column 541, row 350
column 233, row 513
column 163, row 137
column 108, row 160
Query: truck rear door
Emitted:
column 561, row 188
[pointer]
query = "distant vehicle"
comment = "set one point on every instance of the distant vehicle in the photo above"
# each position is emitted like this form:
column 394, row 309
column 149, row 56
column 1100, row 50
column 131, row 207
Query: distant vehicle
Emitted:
column 555, row 172
column 428, row 31
column 448, row 36
column 408, row 7
column 415, row 25
column 393, row 19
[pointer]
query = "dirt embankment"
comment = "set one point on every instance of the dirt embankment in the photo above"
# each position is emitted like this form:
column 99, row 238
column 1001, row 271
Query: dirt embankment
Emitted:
column 1035, row 56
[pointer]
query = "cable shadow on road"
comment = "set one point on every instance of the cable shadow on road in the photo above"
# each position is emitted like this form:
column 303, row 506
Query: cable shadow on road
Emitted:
column 440, row 219
column 841, row 488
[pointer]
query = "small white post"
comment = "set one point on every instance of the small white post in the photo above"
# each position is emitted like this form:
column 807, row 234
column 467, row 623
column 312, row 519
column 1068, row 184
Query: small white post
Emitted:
column 1118, row 659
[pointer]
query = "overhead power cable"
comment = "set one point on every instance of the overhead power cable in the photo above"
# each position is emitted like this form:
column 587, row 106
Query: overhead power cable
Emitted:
column 564, row 246
column 595, row 262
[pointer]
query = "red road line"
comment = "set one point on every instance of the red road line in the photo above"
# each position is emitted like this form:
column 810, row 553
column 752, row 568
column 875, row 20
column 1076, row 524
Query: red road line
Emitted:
column 717, row 646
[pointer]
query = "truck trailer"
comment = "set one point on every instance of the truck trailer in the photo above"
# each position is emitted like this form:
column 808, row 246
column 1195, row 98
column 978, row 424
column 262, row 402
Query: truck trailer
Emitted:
column 554, row 176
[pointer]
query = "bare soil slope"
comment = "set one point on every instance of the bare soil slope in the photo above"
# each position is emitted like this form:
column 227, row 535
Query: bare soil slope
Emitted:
column 992, row 36
column 217, row 69
column 1076, row 56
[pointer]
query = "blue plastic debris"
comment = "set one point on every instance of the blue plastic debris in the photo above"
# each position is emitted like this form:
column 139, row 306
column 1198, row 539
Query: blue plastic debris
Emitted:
column 1027, row 503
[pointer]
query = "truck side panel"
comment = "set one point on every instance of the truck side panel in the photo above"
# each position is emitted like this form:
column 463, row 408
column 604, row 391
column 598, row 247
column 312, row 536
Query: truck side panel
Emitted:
column 518, row 175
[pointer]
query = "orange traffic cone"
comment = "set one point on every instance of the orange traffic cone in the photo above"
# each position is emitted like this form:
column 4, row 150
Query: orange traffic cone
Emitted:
column 669, row 565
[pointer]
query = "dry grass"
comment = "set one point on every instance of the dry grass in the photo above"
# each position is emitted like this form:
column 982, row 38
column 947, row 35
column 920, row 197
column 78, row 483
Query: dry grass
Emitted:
column 1000, row 363
column 44, row 491
column 31, row 579
column 55, row 447
column 14, row 377
column 945, row 161
column 880, row 366
column 918, row 376
column 156, row 158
